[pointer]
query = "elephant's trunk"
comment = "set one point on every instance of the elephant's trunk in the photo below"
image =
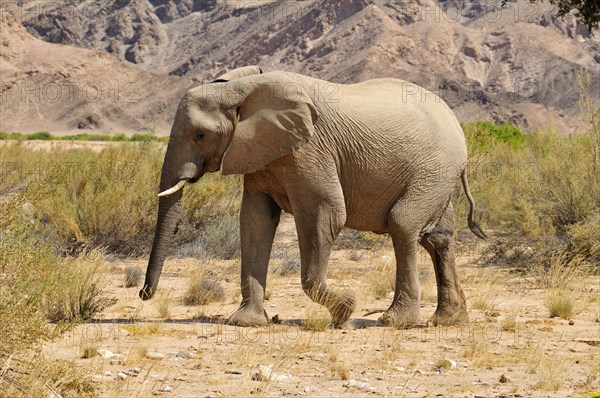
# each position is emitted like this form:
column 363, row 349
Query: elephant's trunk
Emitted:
column 169, row 211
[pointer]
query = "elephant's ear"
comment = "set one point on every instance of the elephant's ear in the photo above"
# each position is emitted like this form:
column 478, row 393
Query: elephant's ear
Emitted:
column 239, row 73
column 276, row 116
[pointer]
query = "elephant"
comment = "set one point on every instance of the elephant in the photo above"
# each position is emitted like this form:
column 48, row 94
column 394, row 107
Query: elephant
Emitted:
column 383, row 155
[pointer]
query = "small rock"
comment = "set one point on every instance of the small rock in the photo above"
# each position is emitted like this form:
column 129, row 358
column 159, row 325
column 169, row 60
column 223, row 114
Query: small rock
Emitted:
column 105, row 354
column 571, row 322
column 155, row 355
column 528, row 251
column 100, row 379
column 233, row 372
column 265, row 373
column 121, row 376
column 359, row 385
column 108, row 373
column 598, row 319
column 386, row 257
column 505, row 379
column 184, row 354
column 134, row 371
column 167, row 388
column 116, row 362
column 399, row 368
column 442, row 371
column 307, row 389
column 53, row 394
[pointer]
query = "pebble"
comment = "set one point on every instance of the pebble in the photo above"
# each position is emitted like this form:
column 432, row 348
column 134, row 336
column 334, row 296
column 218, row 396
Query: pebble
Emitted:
column 121, row 376
column 167, row 388
column 386, row 257
column 100, row 378
column 108, row 373
column 505, row 379
column 232, row 372
column 598, row 319
column 265, row 373
column 134, row 371
column 155, row 355
column 116, row 362
column 442, row 371
column 105, row 354
column 185, row 355
column 571, row 322
column 359, row 385
column 307, row 389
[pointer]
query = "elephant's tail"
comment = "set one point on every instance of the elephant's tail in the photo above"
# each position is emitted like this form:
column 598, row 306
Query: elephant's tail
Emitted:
column 473, row 225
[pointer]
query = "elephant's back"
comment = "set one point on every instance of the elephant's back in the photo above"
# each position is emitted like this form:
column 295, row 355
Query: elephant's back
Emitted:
column 407, row 103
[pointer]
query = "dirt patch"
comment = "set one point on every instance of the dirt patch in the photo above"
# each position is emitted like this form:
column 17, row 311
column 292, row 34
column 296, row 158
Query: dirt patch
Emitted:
column 163, row 347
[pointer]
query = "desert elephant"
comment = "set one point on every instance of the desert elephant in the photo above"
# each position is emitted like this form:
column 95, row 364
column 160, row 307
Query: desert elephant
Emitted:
column 383, row 155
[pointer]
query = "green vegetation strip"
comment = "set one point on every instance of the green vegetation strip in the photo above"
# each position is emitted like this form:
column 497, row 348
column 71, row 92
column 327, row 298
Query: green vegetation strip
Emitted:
column 46, row 136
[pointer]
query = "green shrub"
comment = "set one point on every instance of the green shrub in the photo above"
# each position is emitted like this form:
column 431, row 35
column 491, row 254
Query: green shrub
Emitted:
column 485, row 135
column 40, row 135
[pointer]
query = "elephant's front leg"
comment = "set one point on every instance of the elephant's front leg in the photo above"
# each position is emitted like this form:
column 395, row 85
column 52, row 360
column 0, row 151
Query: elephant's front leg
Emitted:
column 259, row 218
column 318, row 223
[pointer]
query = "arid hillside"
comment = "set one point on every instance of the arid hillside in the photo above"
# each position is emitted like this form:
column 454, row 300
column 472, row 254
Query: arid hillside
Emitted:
column 53, row 87
column 516, row 64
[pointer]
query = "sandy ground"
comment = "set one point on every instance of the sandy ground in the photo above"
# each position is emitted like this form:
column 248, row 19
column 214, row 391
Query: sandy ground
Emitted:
column 511, row 348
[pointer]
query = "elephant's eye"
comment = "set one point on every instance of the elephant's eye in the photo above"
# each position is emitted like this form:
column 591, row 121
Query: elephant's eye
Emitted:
column 199, row 136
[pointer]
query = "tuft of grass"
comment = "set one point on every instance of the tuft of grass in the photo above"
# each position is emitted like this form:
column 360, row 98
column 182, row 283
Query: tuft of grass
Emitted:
column 163, row 305
column 509, row 323
column 79, row 293
column 133, row 276
column 355, row 255
column 203, row 289
column 341, row 370
column 88, row 351
column 382, row 280
column 560, row 303
column 316, row 320
column 288, row 265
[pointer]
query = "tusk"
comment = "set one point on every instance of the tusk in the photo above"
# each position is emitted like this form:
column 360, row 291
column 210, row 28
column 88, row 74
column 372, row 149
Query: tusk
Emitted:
column 176, row 188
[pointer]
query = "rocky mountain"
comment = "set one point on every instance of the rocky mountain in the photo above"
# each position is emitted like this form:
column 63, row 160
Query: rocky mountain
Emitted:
column 518, row 63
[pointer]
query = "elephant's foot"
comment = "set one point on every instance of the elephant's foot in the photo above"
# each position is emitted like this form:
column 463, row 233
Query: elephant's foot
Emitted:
column 404, row 317
column 341, row 307
column 249, row 316
column 449, row 317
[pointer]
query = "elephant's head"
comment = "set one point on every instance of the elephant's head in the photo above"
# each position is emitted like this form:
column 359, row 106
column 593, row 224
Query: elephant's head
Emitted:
column 237, row 124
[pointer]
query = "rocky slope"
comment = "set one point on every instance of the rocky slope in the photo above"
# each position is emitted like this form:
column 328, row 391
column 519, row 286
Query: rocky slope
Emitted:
column 63, row 89
column 515, row 64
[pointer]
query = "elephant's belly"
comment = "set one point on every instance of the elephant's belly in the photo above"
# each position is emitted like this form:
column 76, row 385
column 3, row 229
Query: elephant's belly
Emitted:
column 367, row 221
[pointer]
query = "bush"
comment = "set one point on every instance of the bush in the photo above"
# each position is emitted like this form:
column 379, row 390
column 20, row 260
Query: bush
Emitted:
column 203, row 289
column 106, row 199
column 41, row 135
column 30, row 273
column 133, row 276
column 80, row 291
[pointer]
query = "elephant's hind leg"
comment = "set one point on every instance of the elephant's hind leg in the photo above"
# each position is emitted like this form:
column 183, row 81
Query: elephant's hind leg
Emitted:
column 318, row 227
column 452, row 307
column 404, row 310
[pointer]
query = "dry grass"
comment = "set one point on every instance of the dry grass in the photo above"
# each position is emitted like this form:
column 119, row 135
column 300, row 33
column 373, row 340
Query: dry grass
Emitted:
column 316, row 319
column 560, row 303
column 163, row 306
column 133, row 276
column 203, row 289
column 382, row 280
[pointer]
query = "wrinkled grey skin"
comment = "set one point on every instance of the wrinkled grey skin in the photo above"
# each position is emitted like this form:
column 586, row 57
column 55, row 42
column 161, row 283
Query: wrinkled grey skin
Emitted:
column 383, row 156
